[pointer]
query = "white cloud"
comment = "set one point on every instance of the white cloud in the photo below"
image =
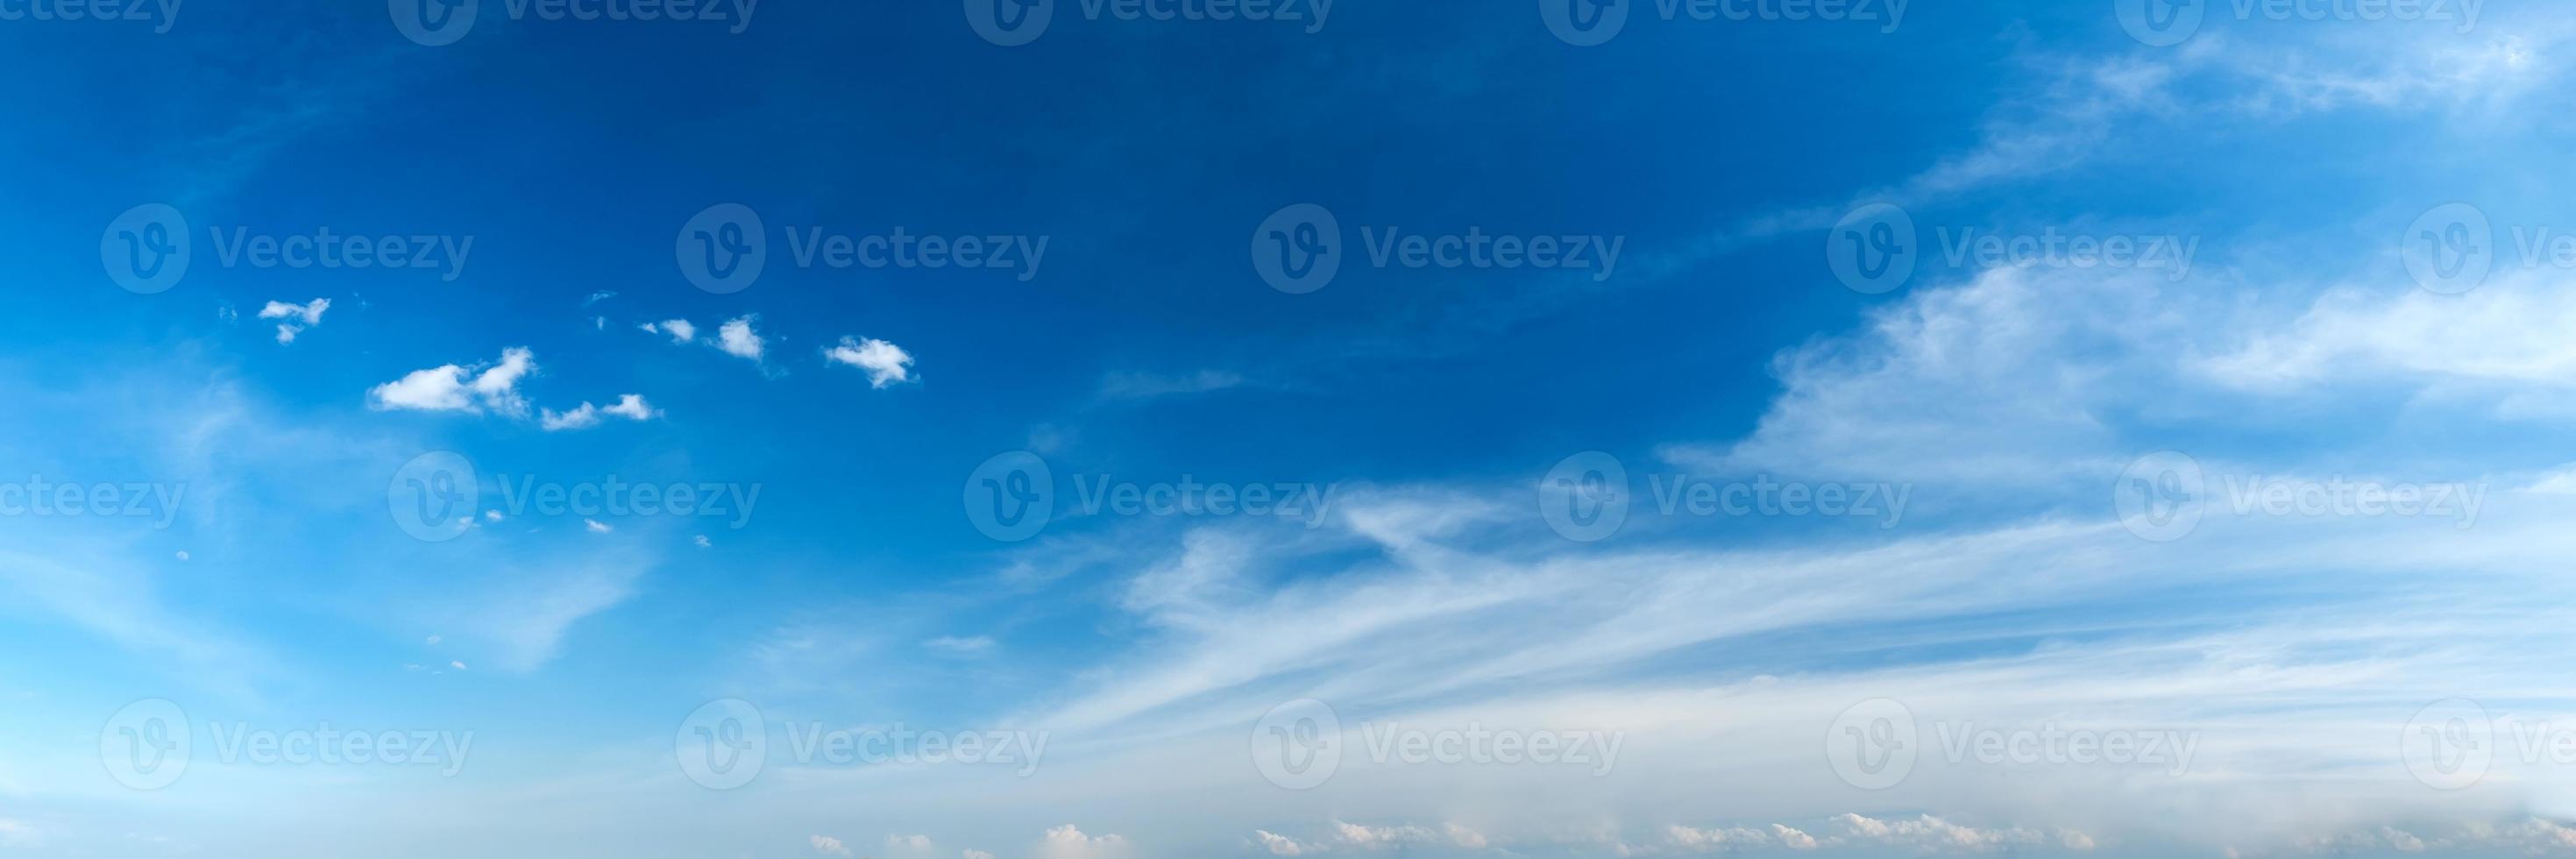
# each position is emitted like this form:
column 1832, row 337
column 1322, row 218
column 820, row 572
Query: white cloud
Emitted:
column 597, row 527
column 885, row 362
column 298, row 317
column 975, row 854
column 829, row 846
column 446, row 388
column 458, row 665
column 736, row 338
column 1279, row 845
column 1933, row 834
column 913, row 843
column 1068, row 842
column 628, row 406
column 679, row 330
column 701, row 541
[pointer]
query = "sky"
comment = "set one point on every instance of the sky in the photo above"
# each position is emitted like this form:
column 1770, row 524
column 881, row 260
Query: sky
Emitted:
column 1128, row 429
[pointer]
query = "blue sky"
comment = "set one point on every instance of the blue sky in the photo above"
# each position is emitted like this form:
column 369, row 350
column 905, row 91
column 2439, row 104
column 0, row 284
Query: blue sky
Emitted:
column 1823, row 428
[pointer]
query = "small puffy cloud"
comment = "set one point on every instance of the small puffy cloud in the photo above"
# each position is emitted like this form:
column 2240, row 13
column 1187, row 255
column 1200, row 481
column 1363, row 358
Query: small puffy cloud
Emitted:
column 458, row 665
column 491, row 515
column 736, row 338
column 1069, row 842
column 975, row 854
column 679, row 330
column 597, row 527
column 885, row 362
column 908, row 842
column 597, row 297
column 183, row 554
column 452, row 388
column 629, row 406
column 702, row 542
column 829, row 846
column 1279, row 845
column 297, row 317
column 433, row 639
